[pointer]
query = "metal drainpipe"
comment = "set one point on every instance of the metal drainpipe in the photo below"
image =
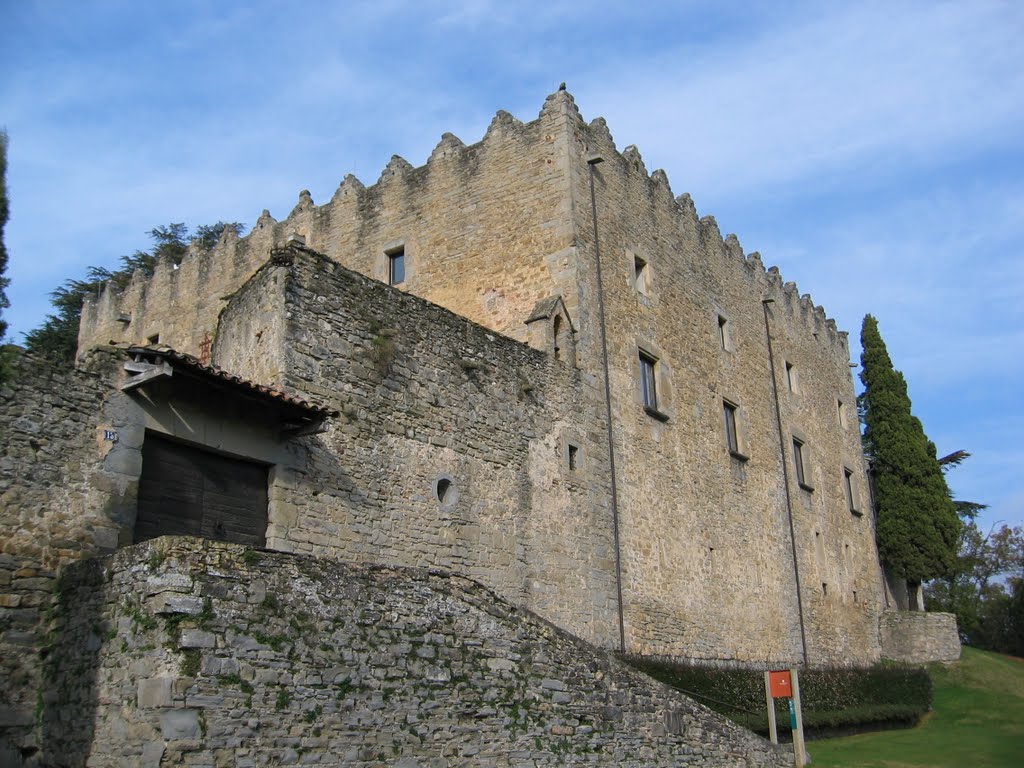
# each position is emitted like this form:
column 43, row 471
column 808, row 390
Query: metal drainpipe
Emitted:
column 785, row 479
column 591, row 162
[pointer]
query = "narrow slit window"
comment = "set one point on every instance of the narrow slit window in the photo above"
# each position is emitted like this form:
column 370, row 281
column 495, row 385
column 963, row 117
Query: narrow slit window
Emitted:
column 556, row 333
column 640, row 275
column 791, row 378
column 841, row 407
column 851, row 500
column 396, row 267
column 723, row 333
column 573, row 457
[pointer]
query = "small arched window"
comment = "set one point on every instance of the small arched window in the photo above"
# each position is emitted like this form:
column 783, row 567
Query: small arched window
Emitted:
column 446, row 492
column 444, row 487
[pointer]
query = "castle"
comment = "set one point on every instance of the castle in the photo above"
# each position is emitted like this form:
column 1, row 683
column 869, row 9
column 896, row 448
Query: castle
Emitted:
column 526, row 362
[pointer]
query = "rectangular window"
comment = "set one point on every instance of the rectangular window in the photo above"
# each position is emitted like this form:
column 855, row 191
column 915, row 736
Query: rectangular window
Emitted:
column 729, row 410
column 851, row 500
column 573, row 454
column 732, row 436
column 800, row 464
column 648, row 380
column 396, row 267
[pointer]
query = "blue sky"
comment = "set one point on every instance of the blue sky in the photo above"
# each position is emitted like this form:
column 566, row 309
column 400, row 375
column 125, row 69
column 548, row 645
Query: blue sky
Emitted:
column 871, row 150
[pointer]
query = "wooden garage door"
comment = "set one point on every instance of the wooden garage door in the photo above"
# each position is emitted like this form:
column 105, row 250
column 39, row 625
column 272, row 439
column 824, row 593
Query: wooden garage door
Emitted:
column 192, row 492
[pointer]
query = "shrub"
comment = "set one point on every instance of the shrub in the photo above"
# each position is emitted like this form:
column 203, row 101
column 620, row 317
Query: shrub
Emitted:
column 831, row 698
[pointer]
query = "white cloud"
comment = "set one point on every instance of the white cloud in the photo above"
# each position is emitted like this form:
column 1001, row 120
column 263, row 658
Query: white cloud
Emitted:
column 824, row 92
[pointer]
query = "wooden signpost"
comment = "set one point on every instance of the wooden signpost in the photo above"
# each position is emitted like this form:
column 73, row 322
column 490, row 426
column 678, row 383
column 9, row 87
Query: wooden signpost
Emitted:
column 785, row 684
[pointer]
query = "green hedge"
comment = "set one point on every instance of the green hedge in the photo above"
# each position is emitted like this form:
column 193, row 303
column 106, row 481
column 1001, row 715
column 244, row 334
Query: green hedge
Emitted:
column 832, row 698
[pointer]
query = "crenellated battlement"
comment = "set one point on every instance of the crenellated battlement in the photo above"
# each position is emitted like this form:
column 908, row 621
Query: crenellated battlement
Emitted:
column 465, row 190
column 181, row 304
column 683, row 211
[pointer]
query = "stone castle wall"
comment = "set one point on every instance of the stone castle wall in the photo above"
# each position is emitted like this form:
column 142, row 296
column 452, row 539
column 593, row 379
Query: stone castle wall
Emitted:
column 64, row 491
column 427, row 397
column 487, row 230
column 190, row 652
column 706, row 535
column 444, row 399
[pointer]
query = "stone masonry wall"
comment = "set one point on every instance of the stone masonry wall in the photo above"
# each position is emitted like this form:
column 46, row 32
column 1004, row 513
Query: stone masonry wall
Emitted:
column 179, row 305
column 190, row 652
column 64, row 493
column 486, row 230
column 428, row 398
column 707, row 552
column 71, row 460
column 916, row 637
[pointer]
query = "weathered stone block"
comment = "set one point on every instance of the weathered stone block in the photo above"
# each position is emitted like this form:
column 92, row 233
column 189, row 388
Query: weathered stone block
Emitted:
column 124, row 461
column 168, row 582
column 155, row 692
column 180, row 724
column 197, row 638
column 14, row 717
column 152, row 753
column 168, row 602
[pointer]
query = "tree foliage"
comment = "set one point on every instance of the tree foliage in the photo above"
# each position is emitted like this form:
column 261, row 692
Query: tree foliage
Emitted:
column 6, row 351
column 917, row 525
column 5, row 213
column 57, row 337
column 967, row 510
column 985, row 588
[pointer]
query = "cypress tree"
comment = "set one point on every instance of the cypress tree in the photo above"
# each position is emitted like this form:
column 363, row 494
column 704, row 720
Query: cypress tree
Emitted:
column 917, row 524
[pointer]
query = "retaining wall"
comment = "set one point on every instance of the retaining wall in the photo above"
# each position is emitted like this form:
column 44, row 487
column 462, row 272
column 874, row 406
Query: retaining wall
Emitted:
column 917, row 637
column 188, row 652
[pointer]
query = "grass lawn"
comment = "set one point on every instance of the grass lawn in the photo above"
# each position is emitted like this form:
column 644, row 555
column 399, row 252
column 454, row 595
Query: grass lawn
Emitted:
column 977, row 722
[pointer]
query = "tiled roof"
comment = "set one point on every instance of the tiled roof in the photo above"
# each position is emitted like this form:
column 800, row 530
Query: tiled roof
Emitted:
column 195, row 366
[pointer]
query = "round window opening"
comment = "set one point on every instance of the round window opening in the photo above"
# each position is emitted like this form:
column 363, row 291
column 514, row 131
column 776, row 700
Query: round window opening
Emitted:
column 445, row 491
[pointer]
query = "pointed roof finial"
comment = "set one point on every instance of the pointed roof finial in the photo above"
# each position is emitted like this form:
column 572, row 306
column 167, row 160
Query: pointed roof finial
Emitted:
column 561, row 87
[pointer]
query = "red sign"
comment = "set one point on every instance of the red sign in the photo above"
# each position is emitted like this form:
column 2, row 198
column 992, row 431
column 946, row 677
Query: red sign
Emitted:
column 780, row 684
